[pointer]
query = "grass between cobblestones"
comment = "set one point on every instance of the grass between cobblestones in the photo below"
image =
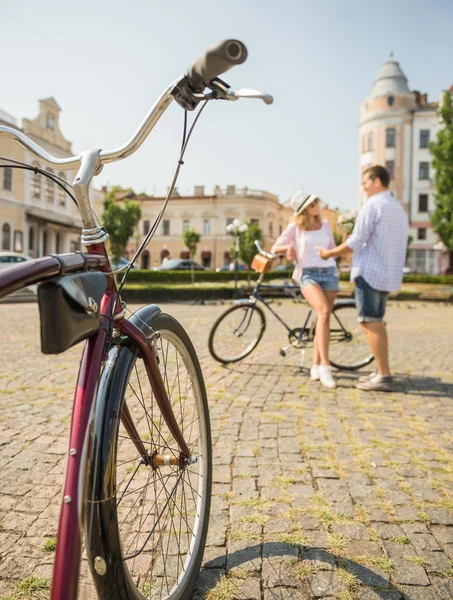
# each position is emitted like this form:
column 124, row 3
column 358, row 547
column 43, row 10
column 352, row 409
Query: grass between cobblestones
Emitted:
column 315, row 494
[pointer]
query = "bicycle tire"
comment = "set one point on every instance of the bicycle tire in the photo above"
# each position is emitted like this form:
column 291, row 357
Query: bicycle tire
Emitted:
column 347, row 334
column 218, row 344
column 127, row 575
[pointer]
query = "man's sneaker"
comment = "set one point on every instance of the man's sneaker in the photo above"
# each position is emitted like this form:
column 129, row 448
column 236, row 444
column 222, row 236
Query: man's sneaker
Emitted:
column 367, row 377
column 378, row 384
column 325, row 375
column 314, row 372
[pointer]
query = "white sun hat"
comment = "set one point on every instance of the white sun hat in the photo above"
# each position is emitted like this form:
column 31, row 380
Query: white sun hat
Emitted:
column 300, row 201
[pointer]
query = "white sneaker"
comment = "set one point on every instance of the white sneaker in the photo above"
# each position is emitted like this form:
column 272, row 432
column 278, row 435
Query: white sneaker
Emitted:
column 314, row 372
column 325, row 375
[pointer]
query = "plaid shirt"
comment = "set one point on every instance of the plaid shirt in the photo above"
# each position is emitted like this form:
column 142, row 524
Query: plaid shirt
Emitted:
column 379, row 243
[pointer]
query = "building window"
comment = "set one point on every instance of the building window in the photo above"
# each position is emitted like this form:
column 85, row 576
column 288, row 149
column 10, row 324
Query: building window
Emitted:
column 166, row 227
column 390, row 142
column 146, row 227
column 229, row 222
column 36, row 183
column 364, row 143
column 423, row 170
column 423, row 203
column 61, row 193
column 421, row 233
column 424, row 138
column 271, row 229
column 51, row 122
column 207, row 227
column 280, row 230
column 8, row 179
column 391, row 100
column 254, row 222
column 6, row 236
column 50, row 188
column 370, row 141
column 186, row 225
column 390, row 166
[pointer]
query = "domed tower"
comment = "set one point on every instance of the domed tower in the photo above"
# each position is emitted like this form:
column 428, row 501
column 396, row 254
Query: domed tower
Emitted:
column 385, row 128
column 396, row 126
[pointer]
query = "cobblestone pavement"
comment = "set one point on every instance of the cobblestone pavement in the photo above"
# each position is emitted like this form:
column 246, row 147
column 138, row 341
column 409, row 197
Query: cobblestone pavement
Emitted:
column 317, row 494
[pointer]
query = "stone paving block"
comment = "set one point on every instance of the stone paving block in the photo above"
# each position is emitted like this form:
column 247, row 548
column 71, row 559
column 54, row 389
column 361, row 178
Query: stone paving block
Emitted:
column 440, row 516
column 262, row 399
column 281, row 593
column 326, row 583
column 443, row 587
column 214, row 557
column 247, row 589
column 436, row 562
column 318, row 559
column 370, row 594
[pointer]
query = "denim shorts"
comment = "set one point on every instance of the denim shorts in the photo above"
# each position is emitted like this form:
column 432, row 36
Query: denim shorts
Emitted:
column 326, row 277
column 370, row 302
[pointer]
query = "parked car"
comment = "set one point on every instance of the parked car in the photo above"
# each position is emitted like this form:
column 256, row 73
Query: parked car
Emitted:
column 179, row 264
column 284, row 268
column 230, row 267
column 7, row 259
column 122, row 262
column 406, row 270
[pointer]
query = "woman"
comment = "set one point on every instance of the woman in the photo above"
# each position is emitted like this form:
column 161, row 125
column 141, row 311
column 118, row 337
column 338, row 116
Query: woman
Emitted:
column 318, row 278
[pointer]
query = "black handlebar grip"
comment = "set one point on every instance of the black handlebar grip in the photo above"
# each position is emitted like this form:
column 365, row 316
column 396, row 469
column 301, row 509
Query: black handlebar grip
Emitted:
column 218, row 58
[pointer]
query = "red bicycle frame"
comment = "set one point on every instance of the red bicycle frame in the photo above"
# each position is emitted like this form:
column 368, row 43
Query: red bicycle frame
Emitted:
column 68, row 550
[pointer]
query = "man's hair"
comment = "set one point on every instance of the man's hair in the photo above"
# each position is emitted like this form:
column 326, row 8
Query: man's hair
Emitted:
column 378, row 172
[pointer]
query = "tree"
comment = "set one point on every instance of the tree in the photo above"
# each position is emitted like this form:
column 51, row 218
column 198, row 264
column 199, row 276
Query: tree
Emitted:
column 191, row 238
column 247, row 248
column 410, row 239
column 119, row 222
column 442, row 151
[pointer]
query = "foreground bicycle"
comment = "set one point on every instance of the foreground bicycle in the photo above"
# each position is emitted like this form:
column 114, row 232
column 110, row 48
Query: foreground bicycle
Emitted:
column 238, row 331
column 139, row 467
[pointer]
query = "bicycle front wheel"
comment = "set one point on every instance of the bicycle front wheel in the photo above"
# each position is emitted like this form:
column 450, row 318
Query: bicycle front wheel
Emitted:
column 146, row 526
column 236, row 333
column 348, row 349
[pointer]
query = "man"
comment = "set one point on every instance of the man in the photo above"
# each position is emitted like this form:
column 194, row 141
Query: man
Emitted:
column 379, row 243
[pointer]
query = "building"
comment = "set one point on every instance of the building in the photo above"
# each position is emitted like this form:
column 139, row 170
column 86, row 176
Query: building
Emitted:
column 209, row 214
column 36, row 216
column 396, row 127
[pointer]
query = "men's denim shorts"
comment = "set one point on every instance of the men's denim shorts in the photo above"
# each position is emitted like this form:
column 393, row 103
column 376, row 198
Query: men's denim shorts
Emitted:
column 327, row 278
column 370, row 302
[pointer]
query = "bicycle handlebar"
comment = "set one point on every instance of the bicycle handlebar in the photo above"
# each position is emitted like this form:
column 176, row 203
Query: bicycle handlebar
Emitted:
column 217, row 59
column 264, row 253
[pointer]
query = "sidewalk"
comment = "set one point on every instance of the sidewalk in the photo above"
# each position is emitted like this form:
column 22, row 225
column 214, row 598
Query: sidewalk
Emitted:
column 317, row 494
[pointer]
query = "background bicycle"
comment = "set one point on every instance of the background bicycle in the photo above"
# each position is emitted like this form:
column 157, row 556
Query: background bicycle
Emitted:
column 238, row 331
column 139, row 464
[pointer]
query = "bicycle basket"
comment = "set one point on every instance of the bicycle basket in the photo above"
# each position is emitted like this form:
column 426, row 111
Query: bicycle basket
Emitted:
column 261, row 264
column 69, row 309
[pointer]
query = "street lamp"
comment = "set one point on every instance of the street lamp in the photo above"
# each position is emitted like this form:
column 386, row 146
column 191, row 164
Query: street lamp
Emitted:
column 235, row 229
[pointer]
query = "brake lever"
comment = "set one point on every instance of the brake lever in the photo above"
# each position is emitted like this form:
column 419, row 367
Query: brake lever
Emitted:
column 248, row 93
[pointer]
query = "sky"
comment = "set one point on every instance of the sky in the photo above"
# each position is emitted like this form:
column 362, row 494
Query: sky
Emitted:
column 105, row 62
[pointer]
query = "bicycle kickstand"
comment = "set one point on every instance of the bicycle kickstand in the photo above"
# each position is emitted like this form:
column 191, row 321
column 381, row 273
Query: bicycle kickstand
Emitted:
column 302, row 357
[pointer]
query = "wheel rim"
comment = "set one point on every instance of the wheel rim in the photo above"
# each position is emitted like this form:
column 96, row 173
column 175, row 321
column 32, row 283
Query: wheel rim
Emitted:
column 160, row 511
column 237, row 334
column 348, row 346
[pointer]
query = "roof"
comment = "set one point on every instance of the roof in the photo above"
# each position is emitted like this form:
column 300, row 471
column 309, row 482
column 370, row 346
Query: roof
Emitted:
column 7, row 118
column 51, row 102
column 390, row 81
